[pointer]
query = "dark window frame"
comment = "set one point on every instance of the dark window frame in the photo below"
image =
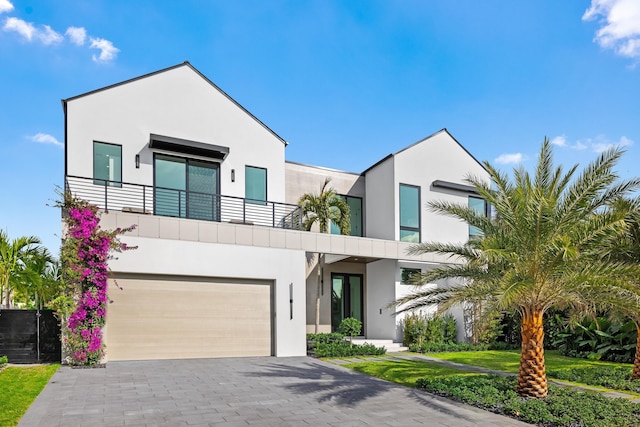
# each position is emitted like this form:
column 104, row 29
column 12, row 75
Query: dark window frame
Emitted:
column 266, row 186
column 100, row 181
column 216, row 212
column 404, row 227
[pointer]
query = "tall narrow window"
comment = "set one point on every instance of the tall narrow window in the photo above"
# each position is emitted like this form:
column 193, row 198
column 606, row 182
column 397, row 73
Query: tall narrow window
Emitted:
column 255, row 184
column 355, row 216
column 480, row 207
column 107, row 164
column 409, row 213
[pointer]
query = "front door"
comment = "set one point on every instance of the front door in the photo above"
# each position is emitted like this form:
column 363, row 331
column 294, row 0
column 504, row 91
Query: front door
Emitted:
column 346, row 298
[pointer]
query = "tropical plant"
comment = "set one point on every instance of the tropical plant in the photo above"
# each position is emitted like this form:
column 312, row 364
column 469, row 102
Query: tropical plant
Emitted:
column 351, row 327
column 324, row 208
column 85, row 253
column 626, row 249
column 14, row 256
column 41, row 281
column 541, row 249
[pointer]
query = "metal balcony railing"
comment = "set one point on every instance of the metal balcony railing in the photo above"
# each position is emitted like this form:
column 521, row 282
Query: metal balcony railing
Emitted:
column 171, row 202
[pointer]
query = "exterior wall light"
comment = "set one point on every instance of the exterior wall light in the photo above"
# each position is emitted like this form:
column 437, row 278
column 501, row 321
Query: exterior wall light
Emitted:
column 233, row 175
column 137, row 161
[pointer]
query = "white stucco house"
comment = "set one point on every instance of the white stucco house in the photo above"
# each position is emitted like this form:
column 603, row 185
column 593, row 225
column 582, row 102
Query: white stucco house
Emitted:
column 222, row 267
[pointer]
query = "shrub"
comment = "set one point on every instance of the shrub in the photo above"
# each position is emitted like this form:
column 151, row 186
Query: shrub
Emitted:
column 563, row 407
column 350, row 327
column 344, row 349
column 414, row 326
column 616, row 377
column 598, row 339
column 325, row 338
column 419, row 328
column 434, row 347
column 3, row 361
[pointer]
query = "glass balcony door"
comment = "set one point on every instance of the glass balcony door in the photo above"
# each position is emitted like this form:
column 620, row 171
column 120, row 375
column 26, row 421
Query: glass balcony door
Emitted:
column 186, row 188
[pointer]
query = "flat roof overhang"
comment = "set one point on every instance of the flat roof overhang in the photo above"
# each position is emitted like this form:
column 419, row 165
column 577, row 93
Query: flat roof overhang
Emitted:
column 454, row 186
column 185, row 146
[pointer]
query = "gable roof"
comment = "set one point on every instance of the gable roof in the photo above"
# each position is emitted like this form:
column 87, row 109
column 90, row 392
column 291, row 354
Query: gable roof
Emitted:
column 173, row 67
column 388, row 156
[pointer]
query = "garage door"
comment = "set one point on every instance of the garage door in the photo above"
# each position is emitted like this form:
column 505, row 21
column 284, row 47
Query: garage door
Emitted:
column 181, row 318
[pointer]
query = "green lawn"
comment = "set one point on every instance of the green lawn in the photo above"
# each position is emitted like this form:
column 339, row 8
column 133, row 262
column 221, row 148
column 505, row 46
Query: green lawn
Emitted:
column 509, row 360
column 405, row 372
column 19, row 387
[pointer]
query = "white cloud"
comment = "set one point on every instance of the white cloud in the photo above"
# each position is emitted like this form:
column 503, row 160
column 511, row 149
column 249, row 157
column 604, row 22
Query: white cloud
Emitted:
column 45, row 138
column 620, row 25
column 560, row 141
column 602, row 144
column 505, row 159
column 46, row 35
column 108, row 51
column 5, row 6
column 25, row 29
column 77, row 35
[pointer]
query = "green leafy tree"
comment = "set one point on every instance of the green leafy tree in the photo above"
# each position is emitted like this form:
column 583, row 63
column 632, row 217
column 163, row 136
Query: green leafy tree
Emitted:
column 541, row 249
column 322, row 209
column 14, row 256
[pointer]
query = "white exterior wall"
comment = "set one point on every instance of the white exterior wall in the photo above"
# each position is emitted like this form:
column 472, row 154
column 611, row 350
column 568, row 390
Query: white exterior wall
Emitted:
column 439, row 157
column 379, row 291
column 183, row 258
column 301, row 179
column 177, row 103
column 380, row 206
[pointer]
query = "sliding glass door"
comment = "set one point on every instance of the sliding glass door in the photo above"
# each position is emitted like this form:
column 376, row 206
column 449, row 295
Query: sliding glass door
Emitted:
column 186, row 188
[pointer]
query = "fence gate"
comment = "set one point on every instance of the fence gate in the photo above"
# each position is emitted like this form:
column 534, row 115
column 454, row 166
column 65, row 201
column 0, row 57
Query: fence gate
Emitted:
column 30, row 336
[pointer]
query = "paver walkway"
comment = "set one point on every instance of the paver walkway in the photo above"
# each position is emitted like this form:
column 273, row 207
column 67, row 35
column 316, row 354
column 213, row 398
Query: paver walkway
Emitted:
column 268, row 391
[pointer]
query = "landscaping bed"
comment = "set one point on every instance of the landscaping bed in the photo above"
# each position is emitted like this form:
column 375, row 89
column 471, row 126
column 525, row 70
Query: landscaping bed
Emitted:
column 336, row 345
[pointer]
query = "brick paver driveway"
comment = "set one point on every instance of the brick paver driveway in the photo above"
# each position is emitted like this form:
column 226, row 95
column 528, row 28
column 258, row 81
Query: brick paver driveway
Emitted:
column 268, row 391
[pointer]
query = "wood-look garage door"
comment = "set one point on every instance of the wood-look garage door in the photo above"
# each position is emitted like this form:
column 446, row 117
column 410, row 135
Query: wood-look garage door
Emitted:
column 169, row 318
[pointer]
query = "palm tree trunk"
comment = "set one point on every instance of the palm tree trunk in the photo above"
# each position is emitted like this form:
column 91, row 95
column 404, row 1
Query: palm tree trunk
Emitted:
column 532, row 377
column 635, row 375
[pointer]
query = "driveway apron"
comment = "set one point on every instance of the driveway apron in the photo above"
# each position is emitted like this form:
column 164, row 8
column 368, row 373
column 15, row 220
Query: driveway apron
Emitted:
column 266, row 391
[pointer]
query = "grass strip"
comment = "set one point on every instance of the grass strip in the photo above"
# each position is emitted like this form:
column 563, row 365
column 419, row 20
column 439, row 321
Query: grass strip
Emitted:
column 19, row 388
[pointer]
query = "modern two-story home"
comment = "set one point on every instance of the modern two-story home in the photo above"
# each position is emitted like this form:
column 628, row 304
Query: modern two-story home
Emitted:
column 223, row 267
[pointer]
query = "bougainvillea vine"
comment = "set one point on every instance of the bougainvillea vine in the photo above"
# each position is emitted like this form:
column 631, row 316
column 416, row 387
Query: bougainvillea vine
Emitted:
column 85, row 253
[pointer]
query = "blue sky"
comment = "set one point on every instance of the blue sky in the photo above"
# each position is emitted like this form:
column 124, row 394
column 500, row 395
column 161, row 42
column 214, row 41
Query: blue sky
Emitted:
column 344, row 82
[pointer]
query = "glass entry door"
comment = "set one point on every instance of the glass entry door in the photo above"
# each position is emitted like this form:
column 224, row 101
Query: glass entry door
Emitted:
column 347, row 298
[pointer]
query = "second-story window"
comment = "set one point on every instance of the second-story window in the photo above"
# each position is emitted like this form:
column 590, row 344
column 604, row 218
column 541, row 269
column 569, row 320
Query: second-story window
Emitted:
column 255, row 184
column 480, row 207
column 409, row 213
column 107, row 164
column 355, row 216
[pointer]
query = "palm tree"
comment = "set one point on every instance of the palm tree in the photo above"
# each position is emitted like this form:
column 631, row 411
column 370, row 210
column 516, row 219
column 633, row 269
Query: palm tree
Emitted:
column 41, row 282
column 324, row 208
column 626, row 249
column 539, row 250
column 14, row 255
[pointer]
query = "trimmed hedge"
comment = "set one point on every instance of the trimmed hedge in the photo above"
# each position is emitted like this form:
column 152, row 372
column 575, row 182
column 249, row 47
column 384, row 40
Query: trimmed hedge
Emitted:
column 440, row 347
column 334, row 345
column 344, row 349
column 615, row 377
column 563, row 407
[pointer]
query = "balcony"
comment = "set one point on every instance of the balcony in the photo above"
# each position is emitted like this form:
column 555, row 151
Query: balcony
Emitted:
column 171, row 202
